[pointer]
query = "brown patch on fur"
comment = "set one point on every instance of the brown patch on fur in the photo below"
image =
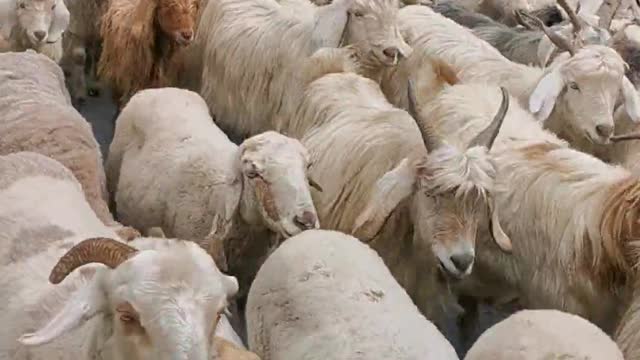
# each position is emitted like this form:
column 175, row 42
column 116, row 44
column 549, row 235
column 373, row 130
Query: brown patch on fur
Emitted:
column 620, row 231
column 139, row 44
column 266, row 200
column 537, row 153
column 34, row 240
column 229, row 351
column 445, row 72
column 127, row 233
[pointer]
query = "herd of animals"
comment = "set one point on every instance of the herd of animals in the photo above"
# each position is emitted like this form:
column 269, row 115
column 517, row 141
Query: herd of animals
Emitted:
column 320, row 180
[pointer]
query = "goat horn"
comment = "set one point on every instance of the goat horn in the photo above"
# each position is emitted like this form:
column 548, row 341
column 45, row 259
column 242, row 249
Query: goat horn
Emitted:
column 343, row 37
column 431, row 141
column 577, row 24
column 488, row 135
column 613, row 15
column 557, row 39
column 626, row 137
column 95, row 250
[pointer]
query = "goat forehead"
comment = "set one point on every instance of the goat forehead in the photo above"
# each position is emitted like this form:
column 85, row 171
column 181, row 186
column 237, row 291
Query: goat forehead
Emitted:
column 384, row 7
column 594, row 61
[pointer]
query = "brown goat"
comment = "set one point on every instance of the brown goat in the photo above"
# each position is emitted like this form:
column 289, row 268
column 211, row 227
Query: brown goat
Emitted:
column 142, row 40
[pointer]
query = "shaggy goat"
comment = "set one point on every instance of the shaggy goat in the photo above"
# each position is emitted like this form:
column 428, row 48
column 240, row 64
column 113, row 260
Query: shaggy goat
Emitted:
column 386, row 190
column 544, row 334
column 34, row 24
column 575, row 96
column 251, row 50
column 36, row 115
column 320, row 276
column 231, row 199
column 143, row 41
column 572, row 218
column 151, row 295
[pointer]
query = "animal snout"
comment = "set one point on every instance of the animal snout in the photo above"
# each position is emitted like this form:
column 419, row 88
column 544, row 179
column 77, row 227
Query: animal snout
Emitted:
column 306, row 220
column 462, row 262
column 604, row 130
column 187, row 35
column 391, row 52
column 40, row 34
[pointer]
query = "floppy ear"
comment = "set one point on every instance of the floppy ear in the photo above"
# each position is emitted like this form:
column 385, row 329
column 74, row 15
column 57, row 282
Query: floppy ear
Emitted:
column 60, row 22
column 84, row 304
column 543, row 98
column 631, row 99
column 331, row 24
column 393, row 187
column 499, row 236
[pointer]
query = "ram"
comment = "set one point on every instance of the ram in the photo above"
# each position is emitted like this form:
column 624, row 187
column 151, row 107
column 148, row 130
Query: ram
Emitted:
column 236, row 201
column 575, row 96
column 325, row 295
column 36, row 115
column 143, row 43
column 34, row 24
column 251, row 50
column 73, row 289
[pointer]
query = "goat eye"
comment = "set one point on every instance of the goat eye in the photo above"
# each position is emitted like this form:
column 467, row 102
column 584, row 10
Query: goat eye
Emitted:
column 574, row 86
column 127, row 318
column 357, row 13
column 23, row 6
column 53, row 6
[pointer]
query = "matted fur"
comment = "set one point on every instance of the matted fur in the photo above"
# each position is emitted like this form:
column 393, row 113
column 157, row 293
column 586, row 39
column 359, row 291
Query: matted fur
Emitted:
column 139, row 48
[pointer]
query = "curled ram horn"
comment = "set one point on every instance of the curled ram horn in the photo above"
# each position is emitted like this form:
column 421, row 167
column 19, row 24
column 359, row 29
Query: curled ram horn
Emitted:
column 105, row 251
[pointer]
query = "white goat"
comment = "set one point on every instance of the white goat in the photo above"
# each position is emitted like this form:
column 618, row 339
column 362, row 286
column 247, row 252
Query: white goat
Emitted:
column 325, row 295
column 544, row 334
column 573, row 219
column 34, row 24
column 251, row 50
column 228, row 198
column 386, row 190
column 151, row 295
column 575, row 96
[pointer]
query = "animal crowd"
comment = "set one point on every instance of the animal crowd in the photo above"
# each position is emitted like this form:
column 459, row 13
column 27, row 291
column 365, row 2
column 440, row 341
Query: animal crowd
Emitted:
column 320, row 180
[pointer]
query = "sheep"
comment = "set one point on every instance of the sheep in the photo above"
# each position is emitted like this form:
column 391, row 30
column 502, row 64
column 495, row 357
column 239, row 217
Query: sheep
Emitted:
column 575, row 96
column 143, row 42
column 544, row 334
column 236, row 201
column 524, row 46
column 108, row 312
column 251, row 49
column 572, row 218
column 36, row 115
column 324, row 295
column 386, row 190
column 35, row 24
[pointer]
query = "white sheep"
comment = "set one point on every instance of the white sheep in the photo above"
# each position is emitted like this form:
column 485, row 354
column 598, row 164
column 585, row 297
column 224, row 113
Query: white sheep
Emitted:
column 34, row 24
column 73, row 289
column 575, row 96
column 380, row 185
column 229, row 198
column 325, row 295
column 572, row 218
column 250, row 50
column 36, row 115
column 544, row 334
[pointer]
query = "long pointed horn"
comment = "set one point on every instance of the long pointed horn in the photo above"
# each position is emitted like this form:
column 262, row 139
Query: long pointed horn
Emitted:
column 577, row 24
column 557, row 39
column 489, row 134
column 431, row 141
column 626, row 137
column 95, row 250
column 343, row 37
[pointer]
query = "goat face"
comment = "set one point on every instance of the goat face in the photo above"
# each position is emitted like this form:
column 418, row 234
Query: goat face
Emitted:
column 177, row 19
column 160, row 303
column 373, row 28
column 274, row 171
column 35, row 18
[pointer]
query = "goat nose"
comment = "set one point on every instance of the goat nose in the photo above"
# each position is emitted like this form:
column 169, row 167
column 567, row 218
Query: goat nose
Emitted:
column 305, row 221
column 40, row 34
column 604, row 130
column 462, row 261
column 187, row 34
column 391, row 52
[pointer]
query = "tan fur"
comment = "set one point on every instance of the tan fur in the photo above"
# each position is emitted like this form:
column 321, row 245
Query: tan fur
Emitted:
column 139, row 46
column 229, row 351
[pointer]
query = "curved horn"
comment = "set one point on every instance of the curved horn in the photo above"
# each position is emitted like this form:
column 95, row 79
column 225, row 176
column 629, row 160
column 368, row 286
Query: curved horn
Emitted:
column 626, row 137
column 577, row 24
column 343, row 37
column 488, row 135
column 431, row 141
column 557, row 39
column 95, row 250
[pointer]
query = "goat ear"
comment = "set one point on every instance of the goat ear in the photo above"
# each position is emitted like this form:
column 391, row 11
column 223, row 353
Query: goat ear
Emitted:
column 631, row 99
column 60, row 21
column 499, row 236
column 331, row 24
column 79, row 308
column 543, row 98
column 393, row 187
